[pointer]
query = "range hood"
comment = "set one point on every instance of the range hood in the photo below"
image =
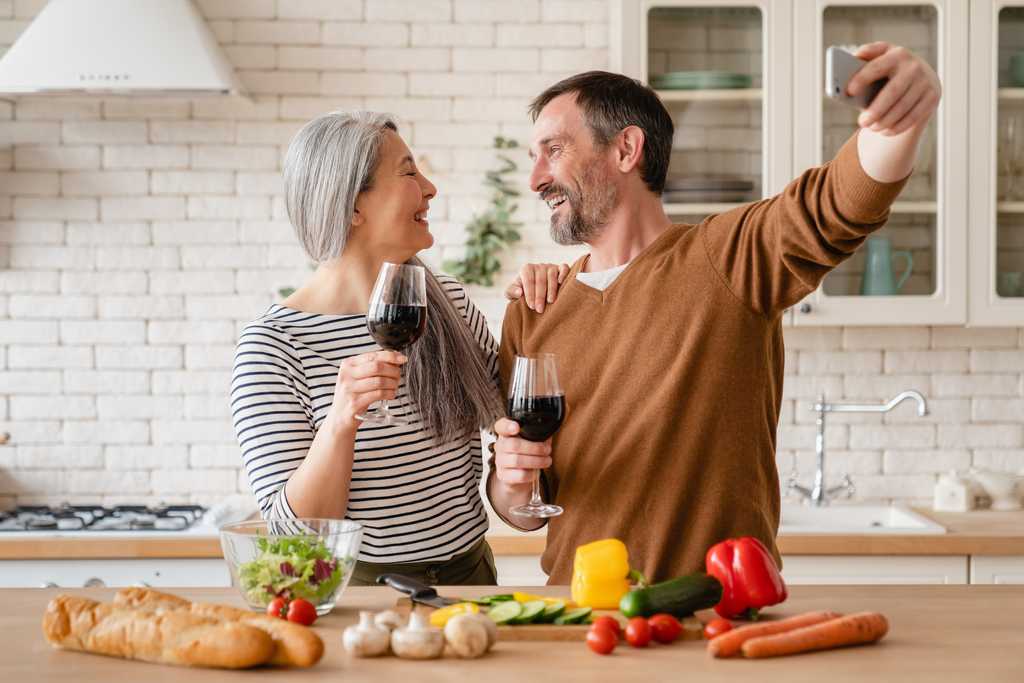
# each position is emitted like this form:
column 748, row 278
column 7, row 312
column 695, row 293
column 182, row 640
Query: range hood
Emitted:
column 121, row 47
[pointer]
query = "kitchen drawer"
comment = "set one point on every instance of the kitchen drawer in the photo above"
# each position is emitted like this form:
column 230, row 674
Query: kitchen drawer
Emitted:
column 997, row 569
column 115, row 573
column 874, row 569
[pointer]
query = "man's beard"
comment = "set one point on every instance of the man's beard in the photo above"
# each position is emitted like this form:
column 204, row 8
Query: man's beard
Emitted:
column 589, row 208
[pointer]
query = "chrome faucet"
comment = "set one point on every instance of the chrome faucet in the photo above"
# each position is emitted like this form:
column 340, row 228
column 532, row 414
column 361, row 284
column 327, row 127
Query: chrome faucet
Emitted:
column 819, row 495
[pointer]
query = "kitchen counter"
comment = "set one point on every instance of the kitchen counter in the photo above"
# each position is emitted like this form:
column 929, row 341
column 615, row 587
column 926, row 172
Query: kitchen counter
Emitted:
column 982, row 532
column 937, row 633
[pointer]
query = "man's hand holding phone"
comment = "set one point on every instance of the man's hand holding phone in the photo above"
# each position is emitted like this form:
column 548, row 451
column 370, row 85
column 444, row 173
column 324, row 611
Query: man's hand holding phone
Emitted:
column 910, row 96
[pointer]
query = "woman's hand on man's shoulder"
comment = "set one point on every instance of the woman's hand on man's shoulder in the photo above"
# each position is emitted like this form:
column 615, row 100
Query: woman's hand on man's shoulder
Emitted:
column 538, row 284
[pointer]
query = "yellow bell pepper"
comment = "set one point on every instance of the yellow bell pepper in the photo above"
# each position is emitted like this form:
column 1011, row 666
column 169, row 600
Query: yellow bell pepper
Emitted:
column 440, row 617
column 600, row 575
column 529, row 597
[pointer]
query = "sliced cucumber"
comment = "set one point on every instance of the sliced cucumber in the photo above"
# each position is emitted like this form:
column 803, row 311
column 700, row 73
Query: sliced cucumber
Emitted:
column 504, row 612
column 531, row 612
column 492, row 599
column 552, row 612
column 575, row 616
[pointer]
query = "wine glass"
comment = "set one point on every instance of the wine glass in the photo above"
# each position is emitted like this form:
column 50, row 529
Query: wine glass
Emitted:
column 396, row 318
column 1011, row 141
column 536, row 402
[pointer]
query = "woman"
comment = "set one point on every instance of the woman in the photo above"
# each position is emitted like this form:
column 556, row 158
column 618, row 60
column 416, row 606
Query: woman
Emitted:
column 307, row 367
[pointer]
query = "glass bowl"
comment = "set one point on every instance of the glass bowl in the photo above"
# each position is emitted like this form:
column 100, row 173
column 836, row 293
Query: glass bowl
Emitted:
column 304, row 558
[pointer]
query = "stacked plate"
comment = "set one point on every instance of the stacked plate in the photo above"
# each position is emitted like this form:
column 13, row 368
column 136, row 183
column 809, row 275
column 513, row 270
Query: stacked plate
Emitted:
column 700, row 80
column 692, row 189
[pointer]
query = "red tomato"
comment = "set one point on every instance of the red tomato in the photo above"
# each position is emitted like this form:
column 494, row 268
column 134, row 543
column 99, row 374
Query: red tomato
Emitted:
column 610, row 623
column 276, row 608
column 601, row 639
column 301, row 612
column 638, row 632
column 665, row 628
column 716, row 627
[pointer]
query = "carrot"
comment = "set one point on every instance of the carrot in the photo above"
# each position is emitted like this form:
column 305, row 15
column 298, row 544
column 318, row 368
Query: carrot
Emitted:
column 729, row 643
column 855, row 629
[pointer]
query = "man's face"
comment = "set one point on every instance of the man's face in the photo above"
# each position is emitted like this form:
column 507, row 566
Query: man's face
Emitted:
column 571, row 173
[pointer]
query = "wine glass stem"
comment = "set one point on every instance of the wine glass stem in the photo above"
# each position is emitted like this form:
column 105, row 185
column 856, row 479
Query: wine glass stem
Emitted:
column 535, row 494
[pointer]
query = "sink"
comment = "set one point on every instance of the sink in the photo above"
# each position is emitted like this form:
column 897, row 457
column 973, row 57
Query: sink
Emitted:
column 855, row 519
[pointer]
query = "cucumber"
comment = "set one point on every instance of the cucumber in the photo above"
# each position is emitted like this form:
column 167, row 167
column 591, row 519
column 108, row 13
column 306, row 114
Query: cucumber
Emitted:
column 679, row 597
column 552, row 612
column 504, row 612
column 579, row 615
column 531, row 612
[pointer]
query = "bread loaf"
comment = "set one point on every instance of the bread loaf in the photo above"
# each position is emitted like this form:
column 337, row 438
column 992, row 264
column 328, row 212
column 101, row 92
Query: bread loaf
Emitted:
column 173, row 637
column 295, row 645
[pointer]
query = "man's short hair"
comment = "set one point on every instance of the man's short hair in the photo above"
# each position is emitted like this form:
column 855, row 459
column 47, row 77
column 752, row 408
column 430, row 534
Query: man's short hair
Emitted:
column 611, row 102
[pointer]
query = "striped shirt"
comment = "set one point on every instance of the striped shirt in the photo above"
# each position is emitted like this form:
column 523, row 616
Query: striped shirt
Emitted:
column 417, row 499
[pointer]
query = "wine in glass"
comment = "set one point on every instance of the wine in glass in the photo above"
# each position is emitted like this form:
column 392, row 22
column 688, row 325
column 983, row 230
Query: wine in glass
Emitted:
column 396, row 317
column 536, row 402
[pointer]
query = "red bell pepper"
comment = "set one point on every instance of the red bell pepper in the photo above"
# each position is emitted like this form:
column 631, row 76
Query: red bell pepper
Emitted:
column 748, row 574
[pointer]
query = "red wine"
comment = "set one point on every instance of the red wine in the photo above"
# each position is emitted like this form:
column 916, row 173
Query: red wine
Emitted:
column 396, row 326
column 539, row 417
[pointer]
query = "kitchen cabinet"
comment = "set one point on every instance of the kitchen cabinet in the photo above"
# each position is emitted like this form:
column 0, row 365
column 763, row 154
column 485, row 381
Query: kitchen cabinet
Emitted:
column 1001, row 569
column 115, row 573
column 874, row 569
column 789, row 125
column 997, row 163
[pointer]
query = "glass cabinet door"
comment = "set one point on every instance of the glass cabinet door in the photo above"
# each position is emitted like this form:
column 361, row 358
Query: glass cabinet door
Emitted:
column 723, row 69
column 997, row 163
column 913, row 270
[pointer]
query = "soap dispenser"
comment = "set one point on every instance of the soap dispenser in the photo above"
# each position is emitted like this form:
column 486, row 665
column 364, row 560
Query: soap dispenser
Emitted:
column 953, row 493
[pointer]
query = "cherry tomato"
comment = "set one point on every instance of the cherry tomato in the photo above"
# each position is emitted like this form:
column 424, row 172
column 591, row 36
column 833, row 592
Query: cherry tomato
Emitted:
column 610, row 623
column 665, row 628
column 276, row 608
column 716, row 627
column 601, row 639
column 301, row 612
column 638, row 632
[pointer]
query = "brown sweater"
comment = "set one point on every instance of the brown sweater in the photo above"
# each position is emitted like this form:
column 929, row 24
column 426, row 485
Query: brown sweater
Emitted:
column 673, row 375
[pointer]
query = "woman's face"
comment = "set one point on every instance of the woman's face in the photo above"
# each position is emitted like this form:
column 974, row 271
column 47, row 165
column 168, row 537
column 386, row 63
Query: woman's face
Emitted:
column 391, row 218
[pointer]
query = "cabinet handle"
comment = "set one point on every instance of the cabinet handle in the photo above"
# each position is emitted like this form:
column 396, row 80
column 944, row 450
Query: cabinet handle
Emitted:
column 805, row 308
column 94, row 582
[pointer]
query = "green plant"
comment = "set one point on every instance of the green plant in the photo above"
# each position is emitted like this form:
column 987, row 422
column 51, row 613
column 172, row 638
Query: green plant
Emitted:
column 493, row 230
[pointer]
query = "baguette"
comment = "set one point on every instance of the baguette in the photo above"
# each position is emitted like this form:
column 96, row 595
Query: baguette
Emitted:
column 295, row 645
column 175, row 637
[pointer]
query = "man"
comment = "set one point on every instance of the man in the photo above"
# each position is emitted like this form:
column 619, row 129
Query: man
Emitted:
column 668, row 336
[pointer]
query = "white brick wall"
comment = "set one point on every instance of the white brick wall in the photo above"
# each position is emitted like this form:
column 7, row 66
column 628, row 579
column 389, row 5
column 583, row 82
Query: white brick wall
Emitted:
column 138, row 234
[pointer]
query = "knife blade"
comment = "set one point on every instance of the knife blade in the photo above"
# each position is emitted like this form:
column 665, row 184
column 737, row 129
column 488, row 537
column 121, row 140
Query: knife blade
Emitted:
column 417, row 592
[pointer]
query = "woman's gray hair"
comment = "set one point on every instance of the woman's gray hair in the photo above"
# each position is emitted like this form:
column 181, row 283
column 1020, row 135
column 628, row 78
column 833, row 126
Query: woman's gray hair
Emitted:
column 329, row 162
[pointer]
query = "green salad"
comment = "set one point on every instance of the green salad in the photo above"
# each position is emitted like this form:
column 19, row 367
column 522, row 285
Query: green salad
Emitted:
column 292, row 567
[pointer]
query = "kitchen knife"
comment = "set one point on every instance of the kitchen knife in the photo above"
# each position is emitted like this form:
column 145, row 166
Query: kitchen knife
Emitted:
column 417, row 592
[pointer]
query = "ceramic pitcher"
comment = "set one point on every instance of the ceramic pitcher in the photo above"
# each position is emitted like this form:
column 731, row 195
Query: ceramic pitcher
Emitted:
column 878, row 276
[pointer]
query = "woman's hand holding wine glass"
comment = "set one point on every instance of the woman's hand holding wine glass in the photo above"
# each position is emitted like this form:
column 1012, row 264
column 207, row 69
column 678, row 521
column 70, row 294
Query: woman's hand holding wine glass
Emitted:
column 362, row 381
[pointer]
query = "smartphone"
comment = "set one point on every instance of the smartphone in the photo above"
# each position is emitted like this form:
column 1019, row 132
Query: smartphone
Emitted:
column 840, row 66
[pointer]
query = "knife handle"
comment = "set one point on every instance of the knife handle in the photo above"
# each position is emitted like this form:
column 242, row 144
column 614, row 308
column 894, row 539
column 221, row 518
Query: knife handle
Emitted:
column 408, row 585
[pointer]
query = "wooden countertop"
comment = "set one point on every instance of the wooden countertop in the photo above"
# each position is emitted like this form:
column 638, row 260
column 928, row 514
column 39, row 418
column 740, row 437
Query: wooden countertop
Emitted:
column 937, row 633
column 982, row 532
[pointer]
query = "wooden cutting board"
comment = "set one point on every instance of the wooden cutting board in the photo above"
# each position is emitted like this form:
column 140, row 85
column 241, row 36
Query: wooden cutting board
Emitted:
column 693, row 628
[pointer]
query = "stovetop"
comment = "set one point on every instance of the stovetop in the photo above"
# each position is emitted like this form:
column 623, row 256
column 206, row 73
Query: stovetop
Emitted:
column 95, row 518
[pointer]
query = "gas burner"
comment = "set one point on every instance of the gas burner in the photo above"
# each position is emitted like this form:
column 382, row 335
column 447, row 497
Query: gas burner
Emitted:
column 67, row 517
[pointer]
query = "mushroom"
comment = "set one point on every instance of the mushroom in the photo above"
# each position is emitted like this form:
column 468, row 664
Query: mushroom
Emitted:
column 389, row 619
column 418, row 640
column 467, row 636
column 365, row 639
